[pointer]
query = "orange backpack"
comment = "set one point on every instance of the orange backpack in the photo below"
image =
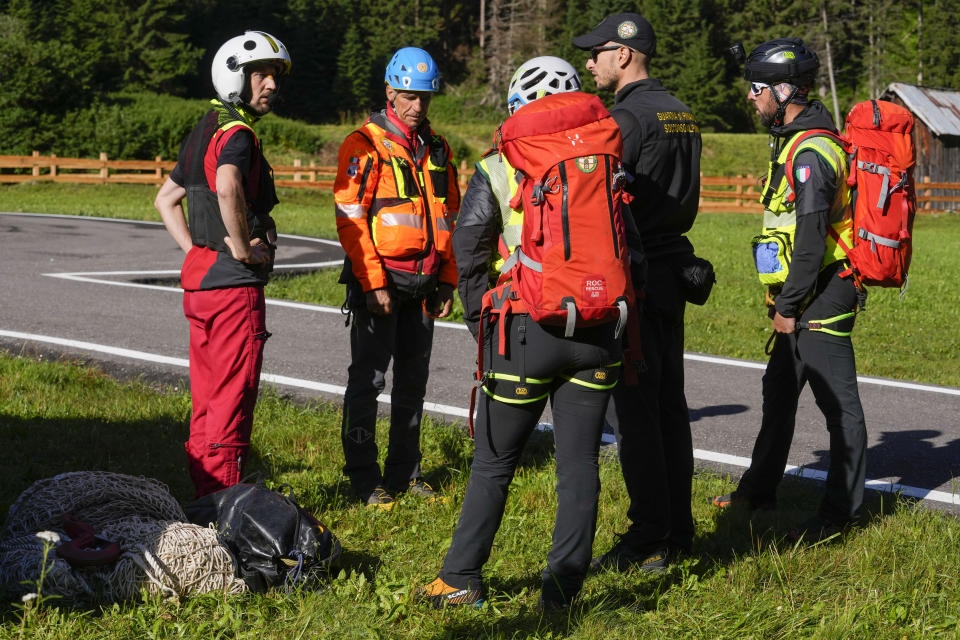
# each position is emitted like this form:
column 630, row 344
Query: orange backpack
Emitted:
column 572, row 267
column 877, row 138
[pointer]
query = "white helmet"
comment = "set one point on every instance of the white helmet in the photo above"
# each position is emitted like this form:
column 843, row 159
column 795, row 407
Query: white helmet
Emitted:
column 236, row 53
column 540, row 77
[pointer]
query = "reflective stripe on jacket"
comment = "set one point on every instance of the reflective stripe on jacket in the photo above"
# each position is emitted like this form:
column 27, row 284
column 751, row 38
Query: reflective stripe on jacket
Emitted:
column 773, row 248
column 395, row 209
column 503, row 183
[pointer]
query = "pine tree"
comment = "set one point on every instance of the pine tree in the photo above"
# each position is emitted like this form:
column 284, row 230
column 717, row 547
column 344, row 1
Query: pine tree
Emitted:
column 687, row 62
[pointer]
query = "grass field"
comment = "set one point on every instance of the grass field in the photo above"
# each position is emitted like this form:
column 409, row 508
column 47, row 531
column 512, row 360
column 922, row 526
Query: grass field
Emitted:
column 895, row 578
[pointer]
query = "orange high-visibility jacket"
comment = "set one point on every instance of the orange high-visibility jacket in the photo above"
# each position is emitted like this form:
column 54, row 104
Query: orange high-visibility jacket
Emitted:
column 396, row 210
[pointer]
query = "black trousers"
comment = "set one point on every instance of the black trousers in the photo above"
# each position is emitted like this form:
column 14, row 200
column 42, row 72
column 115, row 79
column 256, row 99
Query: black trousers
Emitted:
column 406, row 336
column 652, row 424
column 574, row 374
column 827, row 363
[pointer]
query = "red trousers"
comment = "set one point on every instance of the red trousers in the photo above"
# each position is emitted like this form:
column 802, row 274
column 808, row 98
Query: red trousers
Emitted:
column 227, row 332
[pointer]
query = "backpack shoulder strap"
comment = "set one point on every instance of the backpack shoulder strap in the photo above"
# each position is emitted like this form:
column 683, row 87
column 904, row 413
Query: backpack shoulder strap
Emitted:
column 790, row 178
column 806, row 135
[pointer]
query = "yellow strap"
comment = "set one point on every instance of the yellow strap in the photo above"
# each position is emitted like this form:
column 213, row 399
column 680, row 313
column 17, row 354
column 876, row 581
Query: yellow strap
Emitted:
column 512, row 378
column 513, row 400
column 593, row 385
column 819, row 324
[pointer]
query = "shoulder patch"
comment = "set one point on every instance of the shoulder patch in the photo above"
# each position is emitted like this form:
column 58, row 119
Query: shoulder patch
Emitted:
column 802, row 173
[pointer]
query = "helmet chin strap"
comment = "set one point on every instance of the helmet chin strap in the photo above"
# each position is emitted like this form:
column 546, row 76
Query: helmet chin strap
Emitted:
column 781, row 105
column 778, row 120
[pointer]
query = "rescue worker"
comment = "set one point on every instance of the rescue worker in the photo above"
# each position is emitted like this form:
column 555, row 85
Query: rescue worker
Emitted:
column 813, row 289
column 230, row 243
column 557, row 368
column 661, row 155
column 396, row 198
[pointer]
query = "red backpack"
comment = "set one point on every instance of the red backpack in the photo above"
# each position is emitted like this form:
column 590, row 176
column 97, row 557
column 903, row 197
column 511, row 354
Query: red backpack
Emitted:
column 572, row 267
column 877, row 138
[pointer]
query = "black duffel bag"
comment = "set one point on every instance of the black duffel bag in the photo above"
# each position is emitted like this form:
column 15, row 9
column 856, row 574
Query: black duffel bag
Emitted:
column 274, row 540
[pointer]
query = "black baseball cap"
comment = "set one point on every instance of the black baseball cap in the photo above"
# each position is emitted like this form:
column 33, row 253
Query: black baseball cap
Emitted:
column 629, row 29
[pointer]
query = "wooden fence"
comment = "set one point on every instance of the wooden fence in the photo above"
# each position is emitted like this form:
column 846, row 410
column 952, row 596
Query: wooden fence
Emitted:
column 733, row 194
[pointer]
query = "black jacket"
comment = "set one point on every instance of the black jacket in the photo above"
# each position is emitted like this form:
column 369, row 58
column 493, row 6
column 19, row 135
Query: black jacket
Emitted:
column 661, row 154
column 474, row 244
column 813, row 200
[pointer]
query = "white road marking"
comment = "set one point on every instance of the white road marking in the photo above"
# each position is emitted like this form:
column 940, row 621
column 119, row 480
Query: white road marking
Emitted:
column 699, row 454
column 817, row 474
column 85, row 276
column 133, row 354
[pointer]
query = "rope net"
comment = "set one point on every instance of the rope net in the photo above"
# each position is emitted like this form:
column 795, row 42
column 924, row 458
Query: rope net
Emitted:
column 160, row 552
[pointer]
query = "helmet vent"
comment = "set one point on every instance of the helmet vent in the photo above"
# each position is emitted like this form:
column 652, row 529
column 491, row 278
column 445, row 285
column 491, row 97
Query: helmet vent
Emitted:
column 249, row 45
column 530, row 82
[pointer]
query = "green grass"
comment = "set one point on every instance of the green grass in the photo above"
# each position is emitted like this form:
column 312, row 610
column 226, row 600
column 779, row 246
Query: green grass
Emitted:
column 895, row 578
column 301, row 211
column 733, row 154
column 893, row 338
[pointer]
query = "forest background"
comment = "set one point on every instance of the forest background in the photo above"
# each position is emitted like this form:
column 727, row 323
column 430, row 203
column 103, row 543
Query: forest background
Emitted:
column 130, row 77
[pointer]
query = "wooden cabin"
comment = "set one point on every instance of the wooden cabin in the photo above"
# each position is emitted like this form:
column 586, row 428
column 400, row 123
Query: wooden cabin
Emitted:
column 936, row 134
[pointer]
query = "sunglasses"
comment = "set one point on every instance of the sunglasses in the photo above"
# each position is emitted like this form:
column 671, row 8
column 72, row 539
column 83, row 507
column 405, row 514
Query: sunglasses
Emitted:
column 756, row 88
column 594, row 52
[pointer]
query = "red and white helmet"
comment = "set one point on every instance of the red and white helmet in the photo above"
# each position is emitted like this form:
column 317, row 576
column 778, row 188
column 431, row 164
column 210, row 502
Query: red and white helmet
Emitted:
column 228, row 71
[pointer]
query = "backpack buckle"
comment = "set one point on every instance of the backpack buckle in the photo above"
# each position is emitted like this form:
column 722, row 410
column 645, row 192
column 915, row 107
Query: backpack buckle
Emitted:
column 536, row 196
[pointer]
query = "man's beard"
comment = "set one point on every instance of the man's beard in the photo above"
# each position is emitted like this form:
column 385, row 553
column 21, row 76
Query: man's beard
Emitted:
column 262, row 109
column 605, row 84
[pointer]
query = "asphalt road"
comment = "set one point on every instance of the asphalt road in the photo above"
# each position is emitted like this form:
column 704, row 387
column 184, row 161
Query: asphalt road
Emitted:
column 106, row 290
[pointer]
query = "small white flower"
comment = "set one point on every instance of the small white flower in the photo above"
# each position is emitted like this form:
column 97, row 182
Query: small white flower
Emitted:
column 49, row 536
column 29, row 597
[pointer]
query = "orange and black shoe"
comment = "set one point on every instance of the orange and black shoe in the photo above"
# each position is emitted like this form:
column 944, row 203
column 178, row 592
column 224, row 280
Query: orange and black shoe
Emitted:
column 439, row 594
column 734, row 498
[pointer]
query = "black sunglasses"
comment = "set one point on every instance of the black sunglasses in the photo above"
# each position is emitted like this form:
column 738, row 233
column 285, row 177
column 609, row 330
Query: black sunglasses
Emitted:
column 594, row 52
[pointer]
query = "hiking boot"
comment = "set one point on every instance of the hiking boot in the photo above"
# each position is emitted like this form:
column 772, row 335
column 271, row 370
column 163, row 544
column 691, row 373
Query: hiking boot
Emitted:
column 419, row 487
column 439, row 594
column 623, row 557
column 380, row 498
column 816, row 529
column 734, row 498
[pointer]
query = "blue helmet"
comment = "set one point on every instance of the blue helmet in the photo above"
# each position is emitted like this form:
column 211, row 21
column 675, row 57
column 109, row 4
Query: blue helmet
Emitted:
column 412, row 69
